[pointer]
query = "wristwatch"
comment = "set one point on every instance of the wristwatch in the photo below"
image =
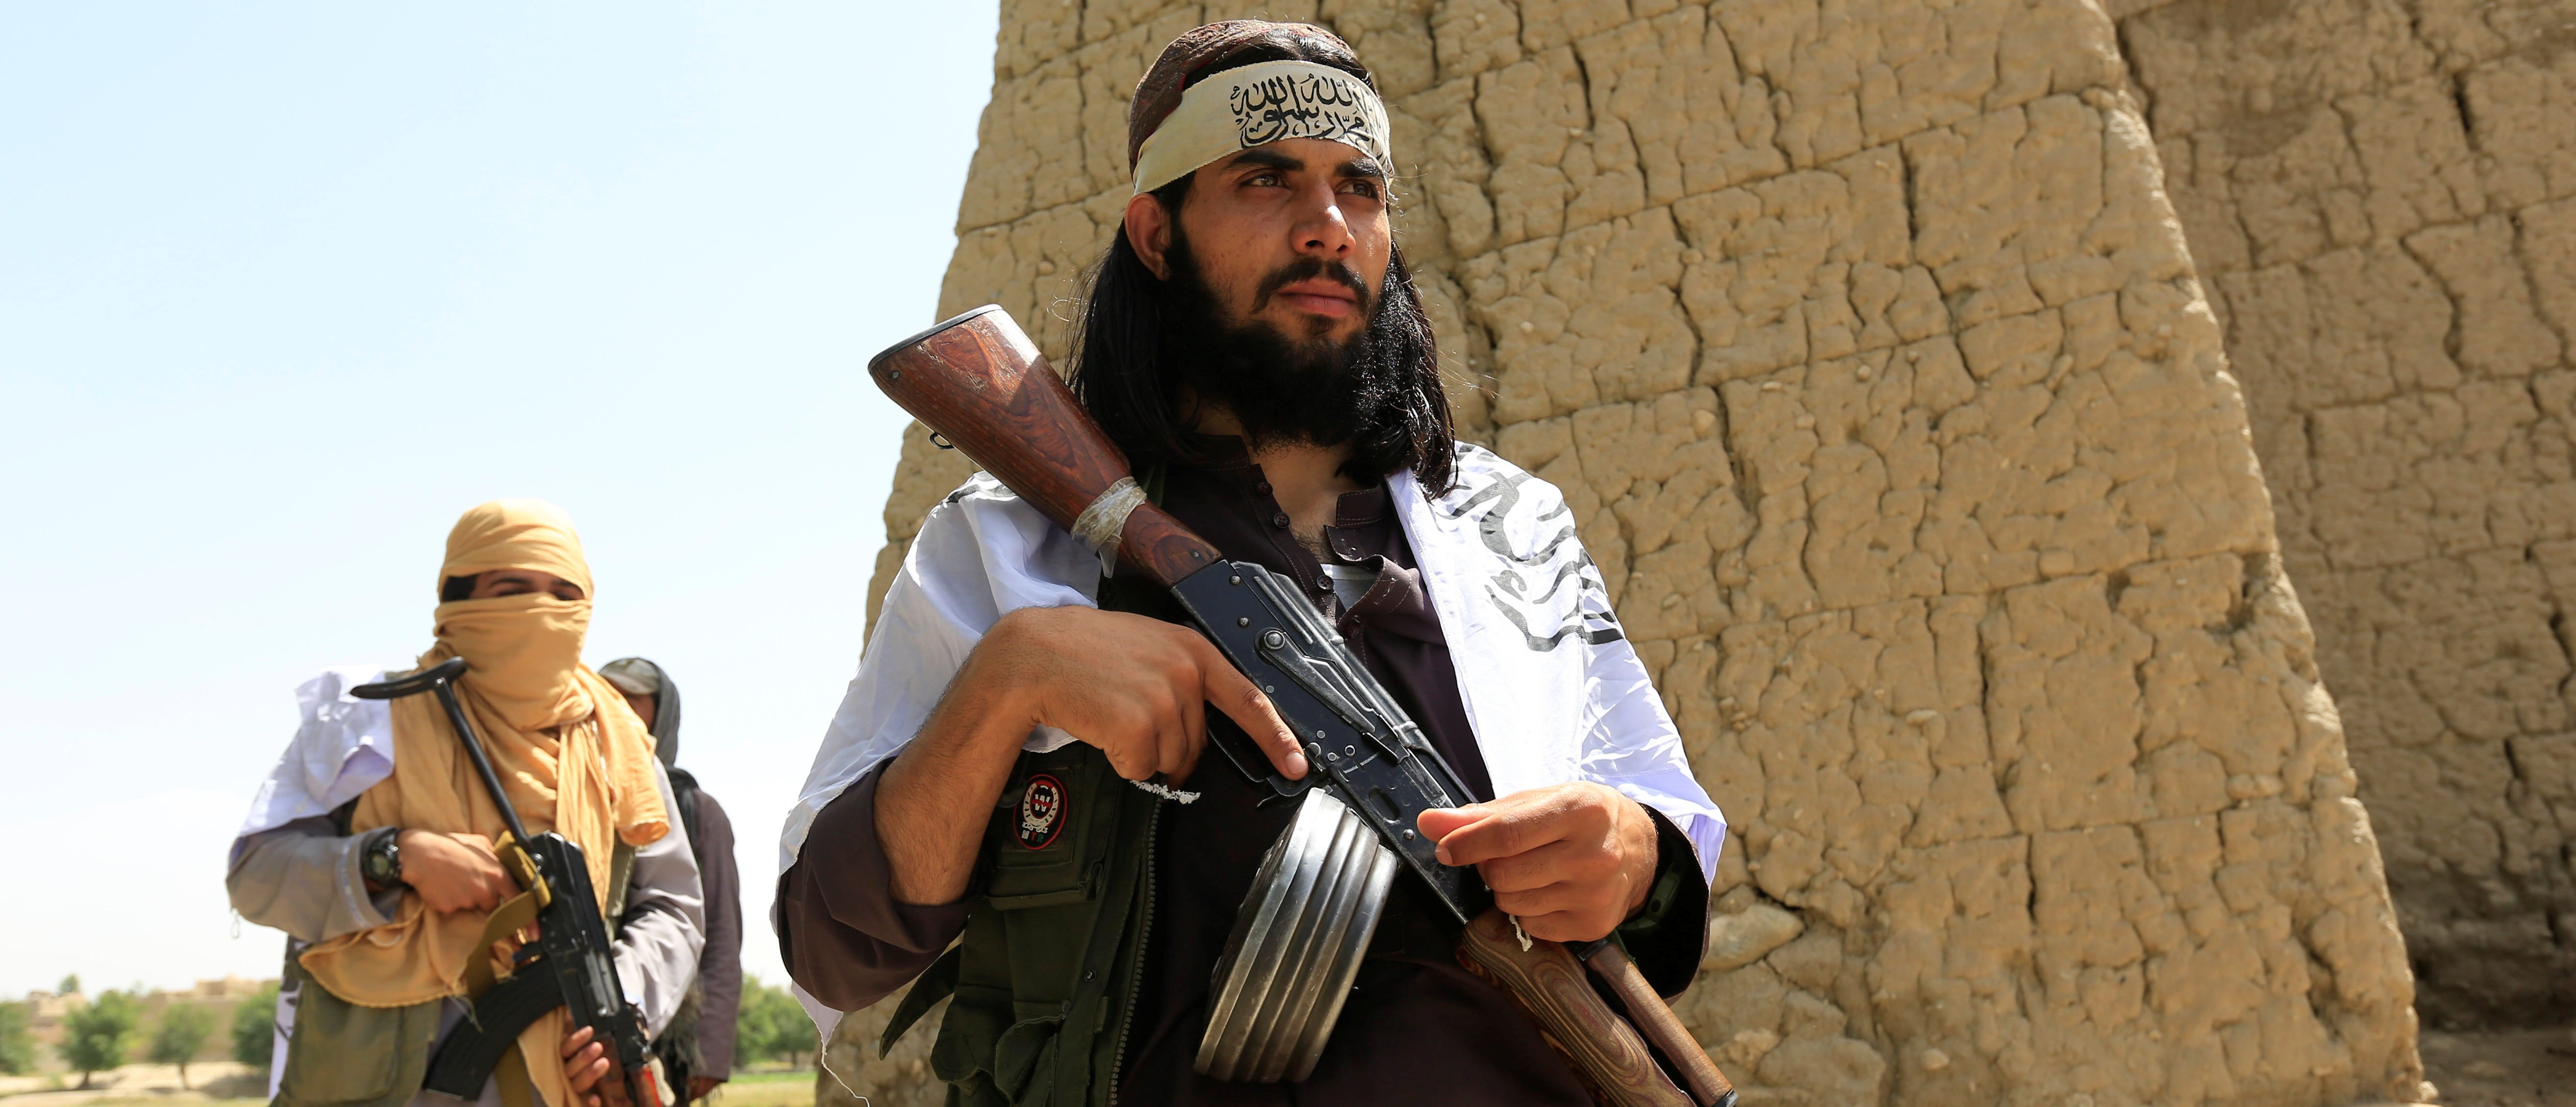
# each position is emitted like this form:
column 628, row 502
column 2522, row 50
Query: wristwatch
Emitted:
column 381, row 858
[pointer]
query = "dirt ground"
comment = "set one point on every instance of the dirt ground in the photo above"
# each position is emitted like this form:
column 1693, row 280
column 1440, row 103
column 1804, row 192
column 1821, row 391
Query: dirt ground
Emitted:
column 2520, row 1068
column 207, row 1081
column 225, row 1084
column 2524, row 1068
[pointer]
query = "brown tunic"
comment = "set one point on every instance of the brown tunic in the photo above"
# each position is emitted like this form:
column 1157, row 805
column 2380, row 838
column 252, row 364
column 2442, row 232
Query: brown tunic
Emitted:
column 1417, row 1028
column 720, row 966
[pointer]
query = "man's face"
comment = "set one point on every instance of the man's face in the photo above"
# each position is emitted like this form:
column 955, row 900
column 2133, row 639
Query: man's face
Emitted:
column 520, row 582
column 1292, row 235
column 645, row 706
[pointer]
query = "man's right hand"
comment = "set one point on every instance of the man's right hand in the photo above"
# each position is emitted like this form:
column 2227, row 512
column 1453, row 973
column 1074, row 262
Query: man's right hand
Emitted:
column 453, row 872
column 1132, row 686
column 1135, row 687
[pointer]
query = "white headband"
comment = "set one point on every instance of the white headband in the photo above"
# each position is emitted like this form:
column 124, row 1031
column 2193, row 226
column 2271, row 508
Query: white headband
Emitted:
column 1260, row 104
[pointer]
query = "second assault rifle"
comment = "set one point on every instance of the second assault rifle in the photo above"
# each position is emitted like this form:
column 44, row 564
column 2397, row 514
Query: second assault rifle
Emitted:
column 979, row 383
column 569, row 966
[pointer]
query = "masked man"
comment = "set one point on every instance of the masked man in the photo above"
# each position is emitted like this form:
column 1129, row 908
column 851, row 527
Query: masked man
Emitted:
column 371, row 842
column 1253, row 342
column 697, row 1048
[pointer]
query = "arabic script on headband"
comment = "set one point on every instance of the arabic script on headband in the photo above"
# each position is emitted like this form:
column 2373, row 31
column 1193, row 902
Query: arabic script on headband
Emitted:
column 1304, row 105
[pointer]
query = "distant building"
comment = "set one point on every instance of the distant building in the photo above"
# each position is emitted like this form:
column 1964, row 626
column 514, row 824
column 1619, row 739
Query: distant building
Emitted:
column 45, row 1012
column 228, row 988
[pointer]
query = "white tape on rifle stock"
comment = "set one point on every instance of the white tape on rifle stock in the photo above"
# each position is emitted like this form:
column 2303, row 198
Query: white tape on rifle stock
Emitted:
column 1100, row 524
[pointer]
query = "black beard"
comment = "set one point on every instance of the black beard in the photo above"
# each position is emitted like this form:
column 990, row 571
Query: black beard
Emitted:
column 1279, row 388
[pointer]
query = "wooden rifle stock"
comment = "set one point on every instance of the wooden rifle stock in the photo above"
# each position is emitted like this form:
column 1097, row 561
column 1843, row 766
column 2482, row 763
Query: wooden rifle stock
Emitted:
column 977, row 381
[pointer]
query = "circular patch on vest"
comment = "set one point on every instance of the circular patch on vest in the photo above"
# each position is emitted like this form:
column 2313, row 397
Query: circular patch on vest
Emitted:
column 1041, row 811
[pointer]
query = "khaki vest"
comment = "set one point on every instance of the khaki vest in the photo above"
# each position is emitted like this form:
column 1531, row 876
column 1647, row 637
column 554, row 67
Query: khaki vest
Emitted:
column 344, row 1055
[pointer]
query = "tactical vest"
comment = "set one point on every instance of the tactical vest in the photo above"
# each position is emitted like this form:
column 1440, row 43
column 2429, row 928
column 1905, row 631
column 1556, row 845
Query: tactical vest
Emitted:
column 1042, row 985
column 341, row 1054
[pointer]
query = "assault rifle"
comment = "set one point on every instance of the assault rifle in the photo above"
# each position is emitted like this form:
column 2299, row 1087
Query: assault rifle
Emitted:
column 980, row 384
column 569, row 966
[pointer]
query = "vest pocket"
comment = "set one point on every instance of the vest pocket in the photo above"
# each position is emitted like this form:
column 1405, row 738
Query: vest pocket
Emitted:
column 1025, row 1059
column 350, row 1056
column 962, row 1057
column 984, row 1058
column 1047, row 825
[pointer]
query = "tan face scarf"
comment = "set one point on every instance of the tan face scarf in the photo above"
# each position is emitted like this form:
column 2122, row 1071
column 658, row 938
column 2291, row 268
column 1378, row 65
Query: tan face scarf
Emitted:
column 574, row 759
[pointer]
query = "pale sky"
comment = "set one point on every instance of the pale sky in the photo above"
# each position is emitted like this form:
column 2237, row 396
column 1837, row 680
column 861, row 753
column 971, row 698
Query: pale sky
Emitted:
column 286, row 288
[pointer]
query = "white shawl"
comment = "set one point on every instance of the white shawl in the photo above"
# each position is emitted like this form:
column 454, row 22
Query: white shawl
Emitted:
column 1554, row 691
column 343, row 746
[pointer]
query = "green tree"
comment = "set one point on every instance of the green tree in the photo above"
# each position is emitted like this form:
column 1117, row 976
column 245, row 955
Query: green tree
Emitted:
column 17, row 1046
column 69, row 987
column 772, row 1024
column 97, row 1037
column 183, row 1030
column 255, row 1028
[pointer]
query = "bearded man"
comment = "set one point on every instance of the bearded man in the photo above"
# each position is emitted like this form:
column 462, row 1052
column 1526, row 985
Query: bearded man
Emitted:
column 371, row 842
column 1254, row 343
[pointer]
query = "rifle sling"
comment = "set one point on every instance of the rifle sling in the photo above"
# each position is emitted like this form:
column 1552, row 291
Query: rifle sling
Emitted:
column 511, row 917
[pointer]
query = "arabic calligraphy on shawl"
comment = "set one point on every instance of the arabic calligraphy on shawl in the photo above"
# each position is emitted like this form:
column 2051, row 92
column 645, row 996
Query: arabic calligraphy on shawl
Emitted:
column 1553, row 592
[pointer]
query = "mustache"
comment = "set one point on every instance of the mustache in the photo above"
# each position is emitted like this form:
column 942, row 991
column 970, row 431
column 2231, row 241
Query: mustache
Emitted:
column 1308, row 268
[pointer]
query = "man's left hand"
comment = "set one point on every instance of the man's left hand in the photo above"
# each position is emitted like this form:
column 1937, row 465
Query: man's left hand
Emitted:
column 1572, row 861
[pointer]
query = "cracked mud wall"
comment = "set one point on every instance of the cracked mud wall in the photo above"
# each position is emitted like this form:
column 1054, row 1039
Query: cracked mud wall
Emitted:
column 1864, row 341
column 2381, row 199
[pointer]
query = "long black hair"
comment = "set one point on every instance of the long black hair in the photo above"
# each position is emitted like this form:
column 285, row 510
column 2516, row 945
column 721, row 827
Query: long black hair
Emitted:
column 1127, row 342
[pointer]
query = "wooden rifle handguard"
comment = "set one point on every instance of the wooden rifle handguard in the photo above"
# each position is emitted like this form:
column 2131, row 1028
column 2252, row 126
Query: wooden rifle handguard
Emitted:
column 1550, row 986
